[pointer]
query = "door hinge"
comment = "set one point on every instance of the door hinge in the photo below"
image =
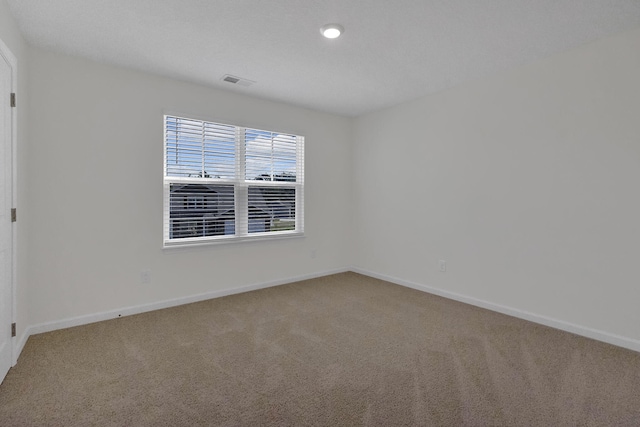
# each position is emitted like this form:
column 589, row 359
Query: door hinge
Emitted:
column 13, row 99
column 13, row 329
column 14, row 215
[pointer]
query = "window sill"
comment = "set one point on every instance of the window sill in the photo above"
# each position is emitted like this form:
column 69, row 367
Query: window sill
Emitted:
column 198, row 242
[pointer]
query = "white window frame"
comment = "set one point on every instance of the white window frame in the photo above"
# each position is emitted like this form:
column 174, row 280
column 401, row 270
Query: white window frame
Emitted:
column 241, row 193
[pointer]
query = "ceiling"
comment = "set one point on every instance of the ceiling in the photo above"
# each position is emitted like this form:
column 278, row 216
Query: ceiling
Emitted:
column 390, row 52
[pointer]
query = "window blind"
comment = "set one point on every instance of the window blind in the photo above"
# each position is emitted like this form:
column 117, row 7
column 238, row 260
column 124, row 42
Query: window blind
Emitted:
column 200, row 149
column 270, row 156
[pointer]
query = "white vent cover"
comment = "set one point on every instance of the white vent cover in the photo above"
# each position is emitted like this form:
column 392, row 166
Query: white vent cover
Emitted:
column 237, row 80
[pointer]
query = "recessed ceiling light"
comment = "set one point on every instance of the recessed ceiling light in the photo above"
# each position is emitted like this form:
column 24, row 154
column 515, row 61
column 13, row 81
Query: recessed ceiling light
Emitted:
column 331, row 31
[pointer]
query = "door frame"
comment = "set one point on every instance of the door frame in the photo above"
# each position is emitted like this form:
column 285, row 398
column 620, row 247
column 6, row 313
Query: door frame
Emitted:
column 6, row 53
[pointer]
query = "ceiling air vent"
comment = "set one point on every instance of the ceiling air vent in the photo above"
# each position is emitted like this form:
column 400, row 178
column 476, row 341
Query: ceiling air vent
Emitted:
column 237, row 80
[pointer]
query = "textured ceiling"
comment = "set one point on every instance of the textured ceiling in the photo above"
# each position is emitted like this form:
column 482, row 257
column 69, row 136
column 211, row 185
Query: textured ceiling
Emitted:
column 391, row 51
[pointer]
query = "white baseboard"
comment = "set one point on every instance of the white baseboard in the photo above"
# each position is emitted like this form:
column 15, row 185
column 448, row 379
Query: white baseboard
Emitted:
column 128, row 311
column 617, row 340
column 595, row 334
column 19, row 346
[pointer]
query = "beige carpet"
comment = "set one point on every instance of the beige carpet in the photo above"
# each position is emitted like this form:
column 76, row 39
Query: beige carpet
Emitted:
column 343, row 350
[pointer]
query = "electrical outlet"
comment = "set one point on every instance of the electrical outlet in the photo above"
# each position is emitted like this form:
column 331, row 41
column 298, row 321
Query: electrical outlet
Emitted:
column 145, row 277
column 314, row 253
column 442, row 265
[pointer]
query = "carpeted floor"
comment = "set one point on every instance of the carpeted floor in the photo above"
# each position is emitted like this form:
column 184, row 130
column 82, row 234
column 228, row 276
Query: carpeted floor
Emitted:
column 343, row 350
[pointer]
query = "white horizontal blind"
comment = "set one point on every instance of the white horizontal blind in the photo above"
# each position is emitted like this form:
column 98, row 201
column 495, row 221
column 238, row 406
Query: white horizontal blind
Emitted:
column 272, row 167
column 200, row 149
column 201, row 210
column 271, row 209
column 270, row 156
column 224, row 182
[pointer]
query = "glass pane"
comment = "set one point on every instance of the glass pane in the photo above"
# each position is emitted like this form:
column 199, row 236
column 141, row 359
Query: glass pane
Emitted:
column 270, row 156
column 272, row 209
column 199, row 149
column 201, row 210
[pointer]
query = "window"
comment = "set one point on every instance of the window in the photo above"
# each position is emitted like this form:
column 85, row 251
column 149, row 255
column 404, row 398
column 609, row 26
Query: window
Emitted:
column 228, row 183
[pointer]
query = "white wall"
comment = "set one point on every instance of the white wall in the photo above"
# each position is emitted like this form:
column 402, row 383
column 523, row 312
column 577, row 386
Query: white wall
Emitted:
column 527, row 183
column 95, row 195
column 11, row 37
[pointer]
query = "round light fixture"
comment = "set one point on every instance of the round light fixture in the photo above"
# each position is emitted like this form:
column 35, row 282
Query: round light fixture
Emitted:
column 331, row 31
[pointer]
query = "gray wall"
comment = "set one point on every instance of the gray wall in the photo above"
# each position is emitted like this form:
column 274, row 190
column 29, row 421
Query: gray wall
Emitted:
column 526, row 183
column 95, row 195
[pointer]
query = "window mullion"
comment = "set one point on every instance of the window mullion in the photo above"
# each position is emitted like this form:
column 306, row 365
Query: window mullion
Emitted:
column 202, row 160
column 241, row 191
column 272, row 155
